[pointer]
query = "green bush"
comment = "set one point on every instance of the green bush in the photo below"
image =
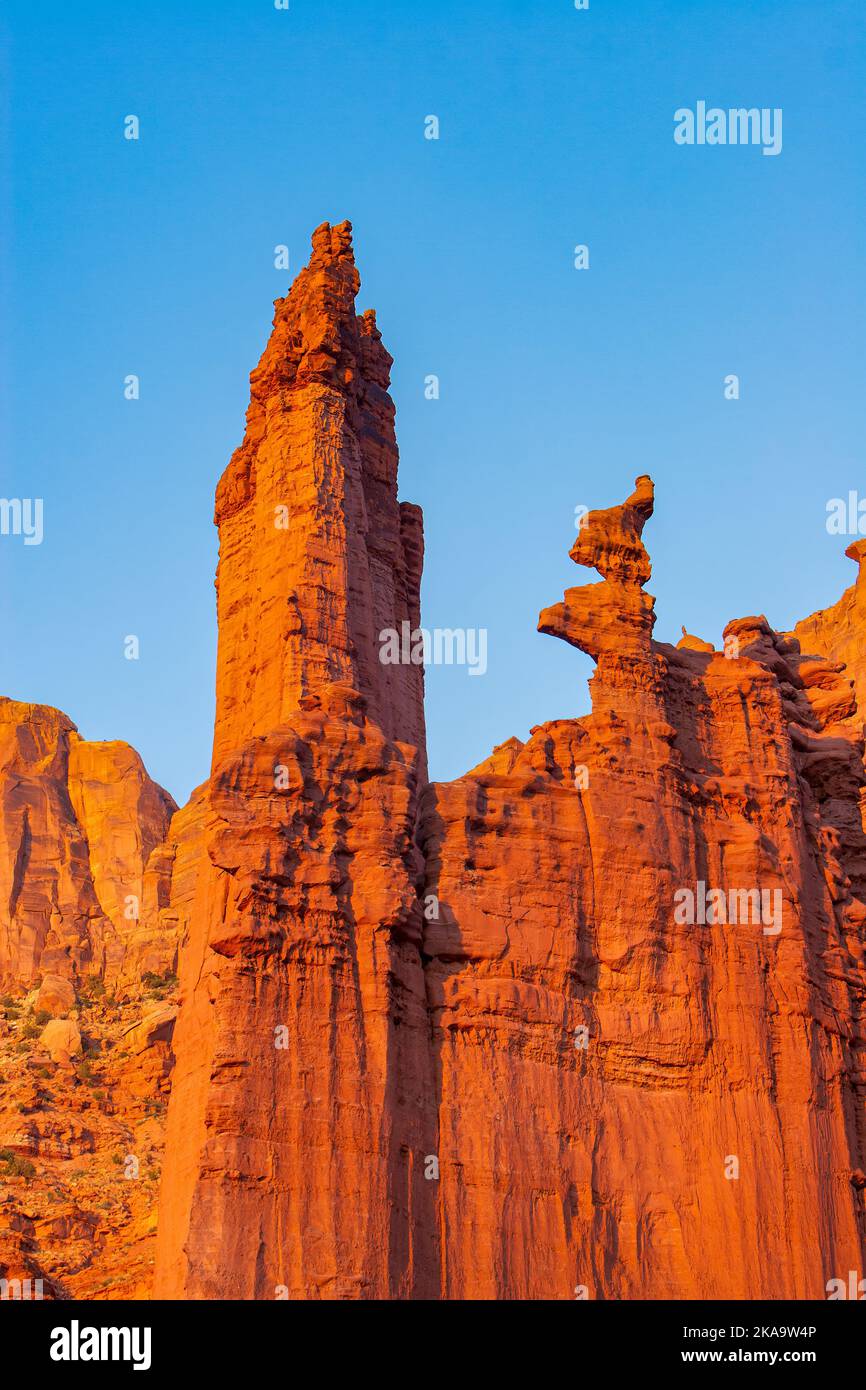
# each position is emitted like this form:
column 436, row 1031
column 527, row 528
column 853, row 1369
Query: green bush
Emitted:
column 11, row 1166
column 159, row 984
column 92, row 989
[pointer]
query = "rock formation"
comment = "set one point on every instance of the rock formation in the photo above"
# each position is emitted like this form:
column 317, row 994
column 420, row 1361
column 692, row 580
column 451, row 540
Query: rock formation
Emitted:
column 587, row 1021
column 79, row 822
column 632, row 1104
column 302, row 1101
column 838, row 632
column 96, row 867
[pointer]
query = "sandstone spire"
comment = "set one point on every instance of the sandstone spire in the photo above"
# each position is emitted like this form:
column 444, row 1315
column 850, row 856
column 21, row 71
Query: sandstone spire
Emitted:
column 317, row 557
column 616, row 616
column 627, row 1097
column 302, row 1105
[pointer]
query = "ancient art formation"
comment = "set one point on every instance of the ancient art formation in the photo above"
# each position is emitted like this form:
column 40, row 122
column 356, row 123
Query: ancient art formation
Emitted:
column 587, row 1021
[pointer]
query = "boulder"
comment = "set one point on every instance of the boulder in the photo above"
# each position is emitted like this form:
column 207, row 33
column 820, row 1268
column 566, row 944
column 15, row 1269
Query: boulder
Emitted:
column 56, row 996
column 61, row 1039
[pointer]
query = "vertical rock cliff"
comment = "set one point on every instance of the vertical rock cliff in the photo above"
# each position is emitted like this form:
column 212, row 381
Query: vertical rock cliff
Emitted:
column 317, row 556
column 302, row 1102
column 642, row 1096
column 79, row 822
column 96, row 866
column 840, row 632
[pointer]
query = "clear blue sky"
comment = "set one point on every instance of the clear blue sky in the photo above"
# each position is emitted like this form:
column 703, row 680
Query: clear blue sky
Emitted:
column 558, row 387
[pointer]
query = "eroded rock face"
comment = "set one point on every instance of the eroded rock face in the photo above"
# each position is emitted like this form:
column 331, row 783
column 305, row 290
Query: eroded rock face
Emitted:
column 97, row 871
column 588, row 1019
column 627, row 1098
column 56, row 996
column 82, row 1105
column 302, row 1102
column 317, row 557
column 615, row 616
column 61, row 1040
column 79, row 822
column 837, row 633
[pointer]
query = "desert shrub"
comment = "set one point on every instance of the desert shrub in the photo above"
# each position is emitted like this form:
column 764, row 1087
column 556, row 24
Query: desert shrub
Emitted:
column 91, row 989
column 12, row 1166
column 159, row 984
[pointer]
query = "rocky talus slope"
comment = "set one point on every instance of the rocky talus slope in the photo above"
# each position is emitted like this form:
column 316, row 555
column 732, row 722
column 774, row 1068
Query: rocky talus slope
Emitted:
column 586, row 1022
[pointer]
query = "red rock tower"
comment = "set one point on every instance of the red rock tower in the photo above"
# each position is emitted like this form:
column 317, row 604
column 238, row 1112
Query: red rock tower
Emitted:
column 301, row 1109
column 317, row 556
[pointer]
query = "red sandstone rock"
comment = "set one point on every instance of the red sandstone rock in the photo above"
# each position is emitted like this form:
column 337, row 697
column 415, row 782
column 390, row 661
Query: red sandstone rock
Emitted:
column 56, row 995
column 301, row 1106
column 837, row 633
column 599, row 1064
column 689, row 642
column 616, row 615
column 591, row 1068
column 317, row 556
column 78, row 822
column 454, row 1040
column 61, row 1040
column 92, row 897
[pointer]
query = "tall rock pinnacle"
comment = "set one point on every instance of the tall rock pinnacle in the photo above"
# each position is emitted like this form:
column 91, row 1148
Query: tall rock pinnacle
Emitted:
column 317, row 557
column 302, row 1102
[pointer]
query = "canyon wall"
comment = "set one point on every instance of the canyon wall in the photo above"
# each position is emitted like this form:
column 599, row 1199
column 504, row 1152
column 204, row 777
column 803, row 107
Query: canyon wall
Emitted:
column 632, row 1105
column 79, row 824
column 97, row 867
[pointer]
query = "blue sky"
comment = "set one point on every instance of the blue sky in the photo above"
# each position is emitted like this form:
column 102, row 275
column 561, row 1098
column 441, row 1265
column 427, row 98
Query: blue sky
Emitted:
column 558, row 386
